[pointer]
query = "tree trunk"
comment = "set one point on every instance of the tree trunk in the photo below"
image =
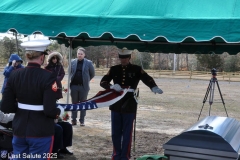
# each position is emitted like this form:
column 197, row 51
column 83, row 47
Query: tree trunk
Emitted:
column 154, row 62
column 178, row 61
column 159, row 61
column 97, row 63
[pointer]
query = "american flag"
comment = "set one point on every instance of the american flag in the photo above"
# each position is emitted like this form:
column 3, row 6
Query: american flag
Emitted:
column 101, row 99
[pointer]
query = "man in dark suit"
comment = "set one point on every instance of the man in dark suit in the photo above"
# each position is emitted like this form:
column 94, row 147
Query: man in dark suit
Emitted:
column 123, row 112
column 82, row 71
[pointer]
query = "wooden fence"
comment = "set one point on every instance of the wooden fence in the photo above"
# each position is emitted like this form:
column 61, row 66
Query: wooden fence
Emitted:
column 225, row 76
column 221, row 76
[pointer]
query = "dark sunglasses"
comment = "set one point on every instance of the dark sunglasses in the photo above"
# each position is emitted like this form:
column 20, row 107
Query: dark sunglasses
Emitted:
column 54, row 58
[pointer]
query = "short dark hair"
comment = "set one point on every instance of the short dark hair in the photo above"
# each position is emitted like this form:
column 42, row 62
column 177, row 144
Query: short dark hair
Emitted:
column 82, row 49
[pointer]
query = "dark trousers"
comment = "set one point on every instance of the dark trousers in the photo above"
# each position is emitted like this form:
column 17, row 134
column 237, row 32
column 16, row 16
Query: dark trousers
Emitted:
column 78, row 93
column 40, row 146
column 122, row 127
column 63, row 136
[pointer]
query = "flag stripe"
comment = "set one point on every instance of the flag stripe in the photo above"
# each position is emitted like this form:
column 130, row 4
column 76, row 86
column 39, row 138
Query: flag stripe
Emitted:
column 101, row 99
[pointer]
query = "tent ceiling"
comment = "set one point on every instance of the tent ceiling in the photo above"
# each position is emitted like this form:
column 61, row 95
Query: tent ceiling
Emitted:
column 157, row 46
column 156, row 26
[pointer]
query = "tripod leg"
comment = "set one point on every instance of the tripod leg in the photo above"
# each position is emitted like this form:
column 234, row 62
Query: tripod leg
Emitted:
column 207, row 92
column 200, row 112
column 222, row 98
column 211, row 95
column 205, row 98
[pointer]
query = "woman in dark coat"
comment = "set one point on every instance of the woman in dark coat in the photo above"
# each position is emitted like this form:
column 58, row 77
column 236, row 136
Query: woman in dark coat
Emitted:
column 55, row 65
column 63, row 130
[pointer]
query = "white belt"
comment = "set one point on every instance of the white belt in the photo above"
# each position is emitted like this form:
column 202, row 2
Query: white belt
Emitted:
column 133, row 90
column 30, row 107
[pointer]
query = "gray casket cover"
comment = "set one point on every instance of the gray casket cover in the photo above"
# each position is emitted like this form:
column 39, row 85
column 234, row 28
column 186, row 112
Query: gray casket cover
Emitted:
column 213, row 138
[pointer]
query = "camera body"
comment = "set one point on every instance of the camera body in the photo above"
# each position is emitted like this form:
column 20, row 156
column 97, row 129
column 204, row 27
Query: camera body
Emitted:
column 214, row 72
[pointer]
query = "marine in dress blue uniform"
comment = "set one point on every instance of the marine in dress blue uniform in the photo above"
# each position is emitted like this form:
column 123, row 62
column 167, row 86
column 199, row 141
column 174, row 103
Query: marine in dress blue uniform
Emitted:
column 28, row 94
column 123, row 112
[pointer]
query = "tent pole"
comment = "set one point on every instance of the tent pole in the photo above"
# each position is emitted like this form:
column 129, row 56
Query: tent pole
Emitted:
column 69, row 68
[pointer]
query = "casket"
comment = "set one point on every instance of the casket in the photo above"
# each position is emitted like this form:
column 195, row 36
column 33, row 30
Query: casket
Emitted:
column 212, row 138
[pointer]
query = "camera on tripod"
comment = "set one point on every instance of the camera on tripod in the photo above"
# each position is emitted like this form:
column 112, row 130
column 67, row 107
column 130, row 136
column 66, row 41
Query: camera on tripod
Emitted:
column 210, row 90
column 214, row 72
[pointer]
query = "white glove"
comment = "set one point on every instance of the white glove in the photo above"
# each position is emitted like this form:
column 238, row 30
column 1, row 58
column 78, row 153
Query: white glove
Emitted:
column 157, row 90
column 5, row 118
column 13, row 63
column 116, row 87
column 61, row 111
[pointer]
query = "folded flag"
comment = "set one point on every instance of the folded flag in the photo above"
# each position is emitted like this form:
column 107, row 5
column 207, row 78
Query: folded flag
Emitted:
column 101, row 99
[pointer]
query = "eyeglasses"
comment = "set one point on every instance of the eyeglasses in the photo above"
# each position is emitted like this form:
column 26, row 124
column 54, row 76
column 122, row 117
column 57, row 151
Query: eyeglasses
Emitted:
column 54, row 57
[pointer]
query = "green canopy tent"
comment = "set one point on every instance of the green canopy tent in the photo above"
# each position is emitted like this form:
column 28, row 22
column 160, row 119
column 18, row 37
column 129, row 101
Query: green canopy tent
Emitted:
column 161, row 26
column 164, row 26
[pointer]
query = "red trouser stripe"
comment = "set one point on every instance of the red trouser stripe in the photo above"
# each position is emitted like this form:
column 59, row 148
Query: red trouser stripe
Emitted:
column 51, row 147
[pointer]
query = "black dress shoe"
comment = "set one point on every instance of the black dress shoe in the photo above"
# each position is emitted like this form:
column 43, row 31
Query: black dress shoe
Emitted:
column 65, row 151
column 74, row 123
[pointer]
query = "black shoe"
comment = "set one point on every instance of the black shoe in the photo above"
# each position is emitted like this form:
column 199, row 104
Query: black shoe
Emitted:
column 74, row 123
column 59, row 156
column 65, row 151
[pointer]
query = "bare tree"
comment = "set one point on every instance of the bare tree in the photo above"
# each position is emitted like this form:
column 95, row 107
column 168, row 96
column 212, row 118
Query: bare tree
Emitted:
column 178, row 61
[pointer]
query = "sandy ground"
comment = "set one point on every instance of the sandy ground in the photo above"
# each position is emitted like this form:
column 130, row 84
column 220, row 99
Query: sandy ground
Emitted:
column 159, row 117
